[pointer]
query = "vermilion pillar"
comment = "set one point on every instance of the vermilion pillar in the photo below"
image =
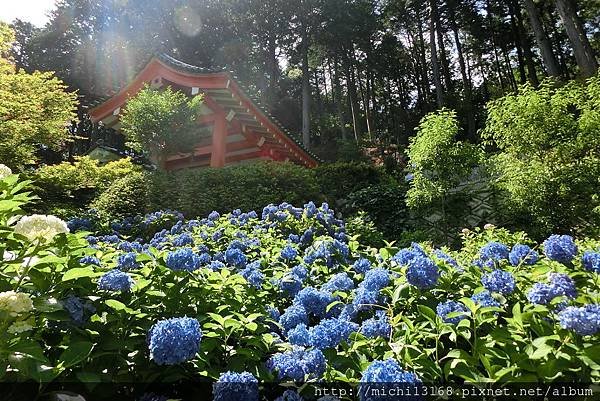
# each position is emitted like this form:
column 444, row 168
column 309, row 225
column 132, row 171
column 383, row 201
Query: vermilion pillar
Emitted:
column 219, row 141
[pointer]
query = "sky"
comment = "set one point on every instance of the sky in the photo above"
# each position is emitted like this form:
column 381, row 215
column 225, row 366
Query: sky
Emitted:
column 34, row 11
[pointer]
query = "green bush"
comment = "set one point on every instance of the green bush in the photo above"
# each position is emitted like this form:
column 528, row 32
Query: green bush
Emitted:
column 337, row 180
column 383, row 205
column 548, row 164
column 67, row 189
column 446, row 178
column 197, row 192
column 124, row 197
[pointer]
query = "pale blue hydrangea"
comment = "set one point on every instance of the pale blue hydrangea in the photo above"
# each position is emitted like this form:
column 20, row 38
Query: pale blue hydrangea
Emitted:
column 115, row 280
column 183, row 259
column 494, row 251
column 522, row 254
column 338, row 282
column 445, row 308
column 376, row 279
column 583, row 321
column 293, row 316
column 298, row 364
column 499, row 281
column 485, row 299
column 561, row 248
column 378, row 326
column 591, row 261
column 232, row 386
column 314, row 301
column 361, row 265
column 173, row 341
column 422, row 272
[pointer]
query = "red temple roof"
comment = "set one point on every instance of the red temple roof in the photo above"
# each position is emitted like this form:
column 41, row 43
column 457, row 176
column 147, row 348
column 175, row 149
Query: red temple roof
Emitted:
column 241, row 128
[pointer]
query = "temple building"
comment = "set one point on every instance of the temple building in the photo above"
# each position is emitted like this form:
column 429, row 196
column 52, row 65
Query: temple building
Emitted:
column 232, row 127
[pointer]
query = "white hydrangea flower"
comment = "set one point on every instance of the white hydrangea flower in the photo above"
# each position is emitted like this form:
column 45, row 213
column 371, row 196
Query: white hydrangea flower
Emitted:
column 8, row 256
column 21, row 326
column 15, row 303
column 4, row 171
column 40, row 227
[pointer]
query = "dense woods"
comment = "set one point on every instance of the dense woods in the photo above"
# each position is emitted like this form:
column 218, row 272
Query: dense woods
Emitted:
column 340, row 73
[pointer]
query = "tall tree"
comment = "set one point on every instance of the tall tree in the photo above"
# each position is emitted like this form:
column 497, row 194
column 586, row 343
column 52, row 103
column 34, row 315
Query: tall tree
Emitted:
column 584, row 54
column 542, row 38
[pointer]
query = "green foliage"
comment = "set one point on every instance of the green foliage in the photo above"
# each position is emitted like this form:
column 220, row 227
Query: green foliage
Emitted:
column 383, row 205
column 35, row 110
column 66, row 189
column 337, row 180
column 445, row 178
column 196, row 192
column 548, row 164
column 125, row 196
column 161, row 122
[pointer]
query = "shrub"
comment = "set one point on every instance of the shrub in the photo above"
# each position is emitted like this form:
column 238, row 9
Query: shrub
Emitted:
column 382, row 204
column 196, row 192
column 66, row 189
column 547, row 164
column 337, row 180
column 446, row 178
column 125, row 196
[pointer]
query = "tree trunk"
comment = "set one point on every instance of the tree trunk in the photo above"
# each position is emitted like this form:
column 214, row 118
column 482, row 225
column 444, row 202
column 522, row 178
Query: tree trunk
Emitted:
column 439, row 94
column 542, row 39
column 423, row 61
column 305, row 90
column 337, row 95
column 443, row 56
column 273, row 67
column 584, row 53
column 525, row 43
column 463, row 72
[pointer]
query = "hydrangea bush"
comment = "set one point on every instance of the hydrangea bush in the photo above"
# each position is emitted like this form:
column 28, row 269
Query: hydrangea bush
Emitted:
column 287, row 295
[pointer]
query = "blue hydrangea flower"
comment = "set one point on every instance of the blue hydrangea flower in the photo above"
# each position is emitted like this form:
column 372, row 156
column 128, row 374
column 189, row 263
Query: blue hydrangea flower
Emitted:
column 254, row 276
column 422, row 272
column 233, row 386
column 183, row 240
column 583, row 321
column 298, row 364
column 289, row 395
column 591, row 261
column 378, row 326
column 445, row 308
column 541, row 294
column 300, row 271
column 183, row 259
column 214, row 215
column 78, row 310
column 273, row 312
column 314, row 301
column 523, row 254
column 361, row 265
column 290, row 284
column 494, row 251
column 288, row 253
column 216, row 265
column 175, row 340
column 499, row 281
column 330, row 332
column 90, row 260
column 235, row 257
column 127, row 261
column 115, row 280
column 338, row 282
column 292, row 317
column 130, row 246
column 405, row 256
column 485, row 299
column 310, row 209
column 446, row 258
column 299, row 335
column 294, row 238
column 376, row 279
column 390, row 375
column 562, row 285
column 561, row 248
column 363, row 298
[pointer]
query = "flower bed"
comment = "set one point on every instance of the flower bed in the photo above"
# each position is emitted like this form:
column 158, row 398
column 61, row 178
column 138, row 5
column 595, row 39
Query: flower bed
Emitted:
column 285, row 296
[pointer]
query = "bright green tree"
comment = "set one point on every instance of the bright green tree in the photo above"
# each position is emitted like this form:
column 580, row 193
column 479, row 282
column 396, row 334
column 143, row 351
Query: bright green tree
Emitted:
column 161, row 122
column 35, row 109
column 548, row 164
column 442, row 168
